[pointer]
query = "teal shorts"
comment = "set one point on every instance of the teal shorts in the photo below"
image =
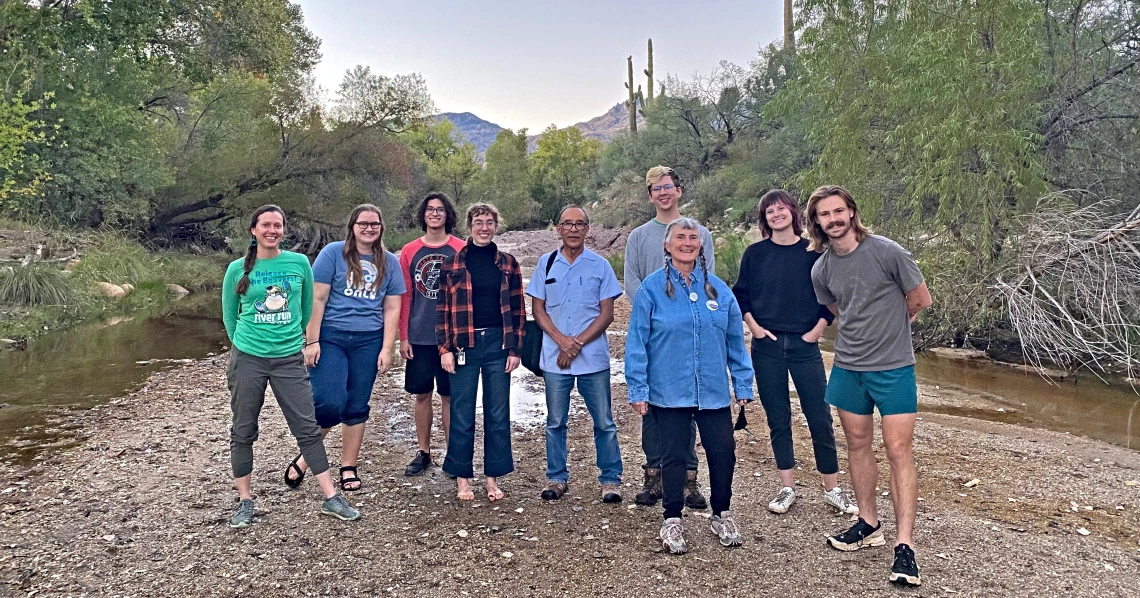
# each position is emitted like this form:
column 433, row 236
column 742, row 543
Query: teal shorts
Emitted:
column 892, row 391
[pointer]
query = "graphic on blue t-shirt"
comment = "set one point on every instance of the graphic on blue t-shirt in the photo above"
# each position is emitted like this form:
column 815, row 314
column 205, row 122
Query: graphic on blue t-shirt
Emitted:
column 427, row 275
column 368, row 273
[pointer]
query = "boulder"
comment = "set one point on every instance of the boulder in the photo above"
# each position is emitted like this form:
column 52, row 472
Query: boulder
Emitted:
column 110, row 291
column 128, row 287
column 176, row 292
column 960, row 354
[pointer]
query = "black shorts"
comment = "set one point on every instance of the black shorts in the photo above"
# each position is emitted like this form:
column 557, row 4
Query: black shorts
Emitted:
column 423, row 372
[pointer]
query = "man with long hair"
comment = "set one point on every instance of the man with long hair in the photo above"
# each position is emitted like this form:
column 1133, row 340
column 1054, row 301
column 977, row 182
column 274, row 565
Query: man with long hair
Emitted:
column 420, row 263
column 877, row 290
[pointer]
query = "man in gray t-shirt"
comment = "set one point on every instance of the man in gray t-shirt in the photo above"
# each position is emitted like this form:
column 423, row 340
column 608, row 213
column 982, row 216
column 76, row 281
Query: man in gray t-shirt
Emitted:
column 645, row 254
column 876, row 289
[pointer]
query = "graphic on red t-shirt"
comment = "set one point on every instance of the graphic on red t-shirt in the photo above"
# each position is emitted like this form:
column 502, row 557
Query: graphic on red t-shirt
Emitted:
column 427, row 275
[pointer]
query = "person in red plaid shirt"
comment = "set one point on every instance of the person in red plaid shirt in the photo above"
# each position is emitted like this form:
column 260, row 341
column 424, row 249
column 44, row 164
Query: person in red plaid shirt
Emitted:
column 479, row 330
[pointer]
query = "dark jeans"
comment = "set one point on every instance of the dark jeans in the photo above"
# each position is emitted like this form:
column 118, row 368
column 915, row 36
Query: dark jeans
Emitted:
column 247, row 376
column 488, row 358
column 344, row 375
column 773, row 360
column 654, row 445
column 720, row 451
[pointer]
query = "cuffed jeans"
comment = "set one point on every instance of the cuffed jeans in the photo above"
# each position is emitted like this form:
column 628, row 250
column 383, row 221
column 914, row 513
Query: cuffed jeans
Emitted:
column 595, row 390
column 654, row 446
column 344, row 375
column 488, row 360
column 247, row 376
column 773, row 360
column 715, row 426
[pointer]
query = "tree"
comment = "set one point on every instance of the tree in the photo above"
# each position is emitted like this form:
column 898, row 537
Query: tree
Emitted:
column 451, row 164
column 396, row 104
column 505, row 180
column 561, row 168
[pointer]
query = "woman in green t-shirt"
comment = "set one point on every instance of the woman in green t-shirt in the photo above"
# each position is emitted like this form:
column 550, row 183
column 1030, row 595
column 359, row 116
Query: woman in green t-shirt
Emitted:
column 267, row 298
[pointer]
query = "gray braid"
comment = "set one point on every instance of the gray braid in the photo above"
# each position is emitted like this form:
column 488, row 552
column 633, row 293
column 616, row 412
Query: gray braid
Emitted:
column 709, row 290
column 668, row 279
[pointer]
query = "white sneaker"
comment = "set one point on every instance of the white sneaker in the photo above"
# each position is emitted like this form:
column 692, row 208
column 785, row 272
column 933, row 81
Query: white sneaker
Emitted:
column 671, row 537
column 783, row 501
column 837, row 498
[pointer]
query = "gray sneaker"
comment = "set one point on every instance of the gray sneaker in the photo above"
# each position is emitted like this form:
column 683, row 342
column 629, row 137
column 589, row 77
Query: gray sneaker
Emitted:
column 671, row 537
column 243, row 516
column 837, row 498
column 726, row 529
column 338, row 507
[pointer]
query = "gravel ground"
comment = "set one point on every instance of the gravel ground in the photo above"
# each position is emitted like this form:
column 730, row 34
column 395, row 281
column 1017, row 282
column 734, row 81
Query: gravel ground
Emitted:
column 139, row 508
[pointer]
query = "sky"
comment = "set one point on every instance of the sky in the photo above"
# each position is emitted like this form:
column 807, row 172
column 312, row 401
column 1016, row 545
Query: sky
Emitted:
column 532, row 64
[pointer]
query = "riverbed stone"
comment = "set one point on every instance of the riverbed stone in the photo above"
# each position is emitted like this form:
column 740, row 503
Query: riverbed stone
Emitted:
column 110, row 290
column 176, row 292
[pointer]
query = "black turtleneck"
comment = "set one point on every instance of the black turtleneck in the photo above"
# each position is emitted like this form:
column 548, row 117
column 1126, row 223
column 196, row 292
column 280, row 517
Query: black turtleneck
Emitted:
column 486, row 285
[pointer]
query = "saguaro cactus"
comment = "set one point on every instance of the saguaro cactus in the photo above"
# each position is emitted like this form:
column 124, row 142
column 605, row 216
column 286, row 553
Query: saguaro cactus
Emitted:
column 649, row 75
column 631, row 103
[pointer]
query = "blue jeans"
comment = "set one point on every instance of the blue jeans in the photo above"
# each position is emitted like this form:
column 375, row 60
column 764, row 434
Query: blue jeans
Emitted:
column 595, row 389
column 344, row 375
column 487, row 359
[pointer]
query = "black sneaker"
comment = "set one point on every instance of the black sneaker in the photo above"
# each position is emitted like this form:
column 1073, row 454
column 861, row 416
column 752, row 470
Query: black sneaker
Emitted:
column 860, row 535
column 418, row 465
column 905, row 570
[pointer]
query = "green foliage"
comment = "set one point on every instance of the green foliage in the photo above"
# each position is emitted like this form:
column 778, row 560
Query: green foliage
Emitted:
column 192, row 272
column 561, row 169
column 506, row 180
column 729, row 251
column 397, row 238
column 451, row 165
column 114, row 259
column 617, row 262
column 623, row 202
column 34, row 284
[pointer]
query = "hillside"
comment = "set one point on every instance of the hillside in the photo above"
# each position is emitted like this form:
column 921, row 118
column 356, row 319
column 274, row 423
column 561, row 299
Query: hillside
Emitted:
column 482, row 133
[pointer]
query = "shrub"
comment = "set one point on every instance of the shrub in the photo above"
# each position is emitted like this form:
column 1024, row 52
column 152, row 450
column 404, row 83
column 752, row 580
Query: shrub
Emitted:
column 617, row 261
column 35, row 284
column 116, row 260
column 189, row 271
column 729, row 251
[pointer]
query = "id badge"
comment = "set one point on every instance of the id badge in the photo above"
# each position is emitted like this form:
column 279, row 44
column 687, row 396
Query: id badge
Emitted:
column 460, row 357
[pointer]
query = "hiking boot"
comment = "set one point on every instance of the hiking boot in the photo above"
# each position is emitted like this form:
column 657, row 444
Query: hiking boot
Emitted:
column 671, row 537
column 784, row 500
column 418, row 465
column 905, row 570
column 611, row 493
column 338, row 507
column 651, row 490
column 837, row 498
column 554, row 490
column 243, row 516
column 693, row 497
column 725, row 529
column 860, row 535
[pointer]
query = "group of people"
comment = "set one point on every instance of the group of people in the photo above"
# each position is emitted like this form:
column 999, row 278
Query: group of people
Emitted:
column 320, row 336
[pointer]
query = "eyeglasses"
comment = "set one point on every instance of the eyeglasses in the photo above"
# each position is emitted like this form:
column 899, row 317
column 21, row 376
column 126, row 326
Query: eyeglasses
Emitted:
column 368, row 225
column 665, row 187
column 431, row 210
column 574, row 225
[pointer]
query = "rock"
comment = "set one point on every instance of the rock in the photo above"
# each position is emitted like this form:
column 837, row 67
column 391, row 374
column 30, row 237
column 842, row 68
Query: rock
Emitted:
column 110, row 291
column 128, row 287
column 959, row 354
column 176, row 292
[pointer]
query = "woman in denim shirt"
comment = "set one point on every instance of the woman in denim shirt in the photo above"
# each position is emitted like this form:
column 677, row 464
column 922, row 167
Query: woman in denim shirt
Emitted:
column 690, row 322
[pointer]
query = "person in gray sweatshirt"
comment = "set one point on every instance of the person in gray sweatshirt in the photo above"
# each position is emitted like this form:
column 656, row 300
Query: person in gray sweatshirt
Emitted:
column 645, row 254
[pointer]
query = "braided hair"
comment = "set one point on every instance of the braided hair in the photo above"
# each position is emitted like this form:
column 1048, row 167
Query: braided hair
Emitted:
column 686, row 224
column 251, row 252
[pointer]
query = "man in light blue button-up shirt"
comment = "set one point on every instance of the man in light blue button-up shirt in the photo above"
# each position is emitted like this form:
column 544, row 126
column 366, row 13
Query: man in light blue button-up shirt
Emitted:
column 573, row 303
column 686, row 337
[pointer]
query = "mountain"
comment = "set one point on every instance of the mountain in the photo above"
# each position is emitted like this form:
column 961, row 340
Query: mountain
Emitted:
column 482, row 133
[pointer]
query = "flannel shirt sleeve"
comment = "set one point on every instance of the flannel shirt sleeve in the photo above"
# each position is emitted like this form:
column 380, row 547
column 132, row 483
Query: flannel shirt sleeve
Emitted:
column 443, row 309
column 518, row 307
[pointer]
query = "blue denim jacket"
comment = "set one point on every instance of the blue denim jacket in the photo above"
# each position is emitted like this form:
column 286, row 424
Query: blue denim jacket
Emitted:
column 678, row 352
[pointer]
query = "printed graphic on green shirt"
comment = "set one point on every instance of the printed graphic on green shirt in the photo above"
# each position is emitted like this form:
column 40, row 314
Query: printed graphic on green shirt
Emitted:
column 274, row 308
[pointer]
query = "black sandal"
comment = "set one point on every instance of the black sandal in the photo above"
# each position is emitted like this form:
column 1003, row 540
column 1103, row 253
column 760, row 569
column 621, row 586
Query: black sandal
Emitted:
column 294, row 483
column 355, row 478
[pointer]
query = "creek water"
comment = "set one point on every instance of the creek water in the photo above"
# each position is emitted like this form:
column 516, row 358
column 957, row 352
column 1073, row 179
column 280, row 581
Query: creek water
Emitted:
column 43, row 388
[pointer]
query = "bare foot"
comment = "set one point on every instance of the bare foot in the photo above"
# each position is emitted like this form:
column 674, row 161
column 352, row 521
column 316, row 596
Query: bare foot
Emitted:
column 465, row 492
column 493, row 492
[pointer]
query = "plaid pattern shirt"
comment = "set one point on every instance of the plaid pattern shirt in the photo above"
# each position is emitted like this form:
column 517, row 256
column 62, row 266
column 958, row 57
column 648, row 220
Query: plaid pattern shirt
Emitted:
column 454, row 327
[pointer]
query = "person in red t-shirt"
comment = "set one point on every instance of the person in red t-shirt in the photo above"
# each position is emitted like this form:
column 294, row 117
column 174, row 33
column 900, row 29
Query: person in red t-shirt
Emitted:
column 420, row 263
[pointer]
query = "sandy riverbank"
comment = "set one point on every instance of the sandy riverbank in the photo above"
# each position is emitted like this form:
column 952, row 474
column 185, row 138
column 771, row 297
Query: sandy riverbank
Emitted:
column 140, row 509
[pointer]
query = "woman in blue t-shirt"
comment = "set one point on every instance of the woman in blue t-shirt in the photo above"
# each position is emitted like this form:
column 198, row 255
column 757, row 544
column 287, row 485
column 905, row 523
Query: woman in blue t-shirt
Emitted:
column 350, row 336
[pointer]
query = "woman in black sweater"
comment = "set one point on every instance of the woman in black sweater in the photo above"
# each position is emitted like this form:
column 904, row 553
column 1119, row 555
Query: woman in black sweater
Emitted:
column 776, row 296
